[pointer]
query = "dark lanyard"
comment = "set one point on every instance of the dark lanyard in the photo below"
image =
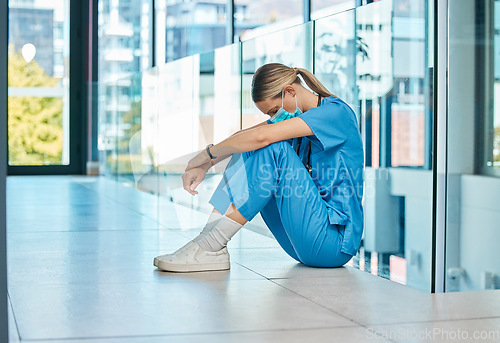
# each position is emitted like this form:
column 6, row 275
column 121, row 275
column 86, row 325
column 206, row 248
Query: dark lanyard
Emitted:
column 308, row 161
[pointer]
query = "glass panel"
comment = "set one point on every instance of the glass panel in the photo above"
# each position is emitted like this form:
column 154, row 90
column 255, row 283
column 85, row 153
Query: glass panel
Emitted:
column 394, row 96
column 292, row 47
column 178, row 136
column 201, row 95
column 473, row 202
column 38, row 81
column 123, row 50
column 269, row 15
column 335, row 47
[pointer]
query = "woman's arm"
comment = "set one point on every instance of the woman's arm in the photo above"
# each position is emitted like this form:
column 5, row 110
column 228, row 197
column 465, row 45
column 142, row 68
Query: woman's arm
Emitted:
column 253, row 138
column 223, row 157
column 216, row 162
column 261, row 135
column 253, row 127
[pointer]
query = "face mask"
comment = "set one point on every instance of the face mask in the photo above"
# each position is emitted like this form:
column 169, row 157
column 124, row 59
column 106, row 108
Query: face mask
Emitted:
column 282, row 114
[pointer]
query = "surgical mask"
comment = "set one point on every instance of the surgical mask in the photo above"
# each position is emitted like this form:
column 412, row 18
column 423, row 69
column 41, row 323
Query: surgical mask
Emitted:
column 282, row 114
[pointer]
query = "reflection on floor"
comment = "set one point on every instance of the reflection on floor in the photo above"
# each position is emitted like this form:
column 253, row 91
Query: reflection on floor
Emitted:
column 387, row 265
column 80, row 254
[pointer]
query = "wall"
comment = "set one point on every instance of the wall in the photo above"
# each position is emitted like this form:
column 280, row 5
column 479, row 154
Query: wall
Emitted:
column 479, row 231
column 473, row 201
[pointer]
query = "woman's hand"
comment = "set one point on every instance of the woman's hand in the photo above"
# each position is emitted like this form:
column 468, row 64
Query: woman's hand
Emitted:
column 195, row 172
column 192, row 178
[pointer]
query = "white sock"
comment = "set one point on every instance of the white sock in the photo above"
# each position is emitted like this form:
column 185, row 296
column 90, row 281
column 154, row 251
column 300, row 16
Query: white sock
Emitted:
column 217, row 238
column 211, row 222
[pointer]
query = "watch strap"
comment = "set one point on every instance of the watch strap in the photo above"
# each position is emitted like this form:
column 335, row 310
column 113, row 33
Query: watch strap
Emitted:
column 209, row 153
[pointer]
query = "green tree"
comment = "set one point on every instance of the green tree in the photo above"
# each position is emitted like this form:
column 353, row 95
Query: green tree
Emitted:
column 35, row 123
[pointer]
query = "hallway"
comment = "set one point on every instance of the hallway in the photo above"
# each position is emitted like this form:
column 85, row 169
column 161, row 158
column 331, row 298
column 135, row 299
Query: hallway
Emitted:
column 80, row 252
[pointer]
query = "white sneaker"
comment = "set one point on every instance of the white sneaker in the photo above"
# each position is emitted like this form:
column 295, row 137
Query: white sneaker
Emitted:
column 192, row 258
column 171, row 255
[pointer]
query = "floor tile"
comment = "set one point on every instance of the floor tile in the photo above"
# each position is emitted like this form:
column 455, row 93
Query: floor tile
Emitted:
column 138, row 309
column 113, row 267
column 371, row 300
column 364, row 298
column 464, row 305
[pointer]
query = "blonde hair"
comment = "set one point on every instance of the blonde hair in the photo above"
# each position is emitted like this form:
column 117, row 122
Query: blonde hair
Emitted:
column 269, row 80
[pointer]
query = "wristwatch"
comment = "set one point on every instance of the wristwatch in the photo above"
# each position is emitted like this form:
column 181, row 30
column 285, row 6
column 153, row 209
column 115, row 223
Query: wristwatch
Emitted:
column 209, row 153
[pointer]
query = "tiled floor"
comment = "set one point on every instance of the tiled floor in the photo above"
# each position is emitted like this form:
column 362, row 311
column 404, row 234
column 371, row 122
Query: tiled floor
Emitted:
column 80, row 254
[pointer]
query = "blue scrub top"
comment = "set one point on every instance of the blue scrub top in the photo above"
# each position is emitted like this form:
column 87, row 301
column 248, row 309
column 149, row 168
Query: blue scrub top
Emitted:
column 337, row 160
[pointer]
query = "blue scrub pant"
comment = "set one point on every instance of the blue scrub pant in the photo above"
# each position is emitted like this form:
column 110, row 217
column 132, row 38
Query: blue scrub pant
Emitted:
column 274, row 181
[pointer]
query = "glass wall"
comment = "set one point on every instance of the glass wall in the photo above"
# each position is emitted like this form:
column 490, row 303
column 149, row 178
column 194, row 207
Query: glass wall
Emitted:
column 38, row 81
column 378, row 58
column 473, row 167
